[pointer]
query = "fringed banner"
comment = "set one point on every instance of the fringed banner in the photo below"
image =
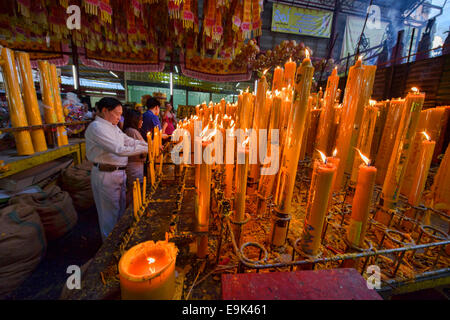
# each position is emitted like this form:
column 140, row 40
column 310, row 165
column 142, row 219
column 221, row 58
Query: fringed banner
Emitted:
column 144, row 61
column 214, row 70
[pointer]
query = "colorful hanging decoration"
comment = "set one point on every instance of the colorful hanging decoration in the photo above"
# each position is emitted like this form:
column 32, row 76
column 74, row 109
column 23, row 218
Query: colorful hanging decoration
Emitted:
column 120, row 30
column 188, row 15
column 106, row 11
column 91, row 6
column 174, row 9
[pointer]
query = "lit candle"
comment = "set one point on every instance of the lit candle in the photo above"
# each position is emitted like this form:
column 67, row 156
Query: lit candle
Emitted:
column 289, row 73
column 241, row 185
column 413, row 160
column 365, row 136
column 147, row 271
column 349, row 110
column 397, row 164
column 361, row 203
column 291, row 151
column 316, row 209
column 327, row 116
column 421, row 171
column 277, row 82
column 229, row 160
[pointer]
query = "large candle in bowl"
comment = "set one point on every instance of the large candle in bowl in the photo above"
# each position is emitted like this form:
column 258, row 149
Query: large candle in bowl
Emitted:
column 147, row 271
column 361, row 203
column 319, row 194
column 421, row 171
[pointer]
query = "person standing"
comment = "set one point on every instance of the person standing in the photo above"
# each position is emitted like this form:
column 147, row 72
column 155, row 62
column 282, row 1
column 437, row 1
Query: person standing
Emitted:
column 135, row 167
column 169, row 121
column 151, row 117
column 109, row 148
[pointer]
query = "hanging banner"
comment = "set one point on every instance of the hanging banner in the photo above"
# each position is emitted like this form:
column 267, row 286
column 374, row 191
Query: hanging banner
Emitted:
column 373, row 36
column 310, row 22
column 142, row 61
column 214, row 70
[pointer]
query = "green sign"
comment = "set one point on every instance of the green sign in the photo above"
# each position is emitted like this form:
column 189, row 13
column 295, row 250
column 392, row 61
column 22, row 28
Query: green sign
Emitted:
column 310, row 22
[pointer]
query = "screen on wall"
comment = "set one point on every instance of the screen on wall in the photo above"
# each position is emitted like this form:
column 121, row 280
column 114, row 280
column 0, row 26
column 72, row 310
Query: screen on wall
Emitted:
column 310, row 22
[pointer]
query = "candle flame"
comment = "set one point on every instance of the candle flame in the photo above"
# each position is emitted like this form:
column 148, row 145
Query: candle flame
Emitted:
column 372, row 102
column 360, row 57
column 246, row 90
column 265, row 71
column 306, row 54
column 151, row 260
column 322, row 155
column 290, row 59
column 334, row 152
column 426, row 135
column 414, row 89
column 363, row 157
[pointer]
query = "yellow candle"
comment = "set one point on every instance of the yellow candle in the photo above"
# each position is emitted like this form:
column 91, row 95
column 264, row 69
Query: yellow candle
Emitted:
column 291, row 151
column 144, row 190
column 441, row 188
column 289, row 73
column 151, row 167
column 316, row 209
column 388, row 138
column 18, row 117
column 277, row 82
column 260, row 121
column 397, row 164
column 346, row 129
column 135, row 201
column 31, row 102
column 266, row 182
column 356, row 231
column 421, row 171
column 47, row 92
column 241, row 184
column 365, row 137
column 379, row 127
column 62, row 133
column 312, row 131
column 327, row 116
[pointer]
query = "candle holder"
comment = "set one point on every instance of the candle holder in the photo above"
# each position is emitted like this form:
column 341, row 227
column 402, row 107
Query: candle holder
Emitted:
column 280, row 223
column 430, row 234
column 398, row 238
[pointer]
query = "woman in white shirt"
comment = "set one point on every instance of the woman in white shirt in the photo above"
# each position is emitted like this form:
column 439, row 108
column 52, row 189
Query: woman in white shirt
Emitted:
column 109, row 148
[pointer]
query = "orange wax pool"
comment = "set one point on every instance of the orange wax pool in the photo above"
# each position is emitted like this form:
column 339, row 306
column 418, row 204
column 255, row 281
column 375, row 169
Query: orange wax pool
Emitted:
column 147, row 271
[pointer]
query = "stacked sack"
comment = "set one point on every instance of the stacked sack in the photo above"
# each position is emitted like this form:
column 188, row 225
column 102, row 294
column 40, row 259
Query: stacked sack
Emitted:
column 22, row 245
column 77, row 181
column 55, row 209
